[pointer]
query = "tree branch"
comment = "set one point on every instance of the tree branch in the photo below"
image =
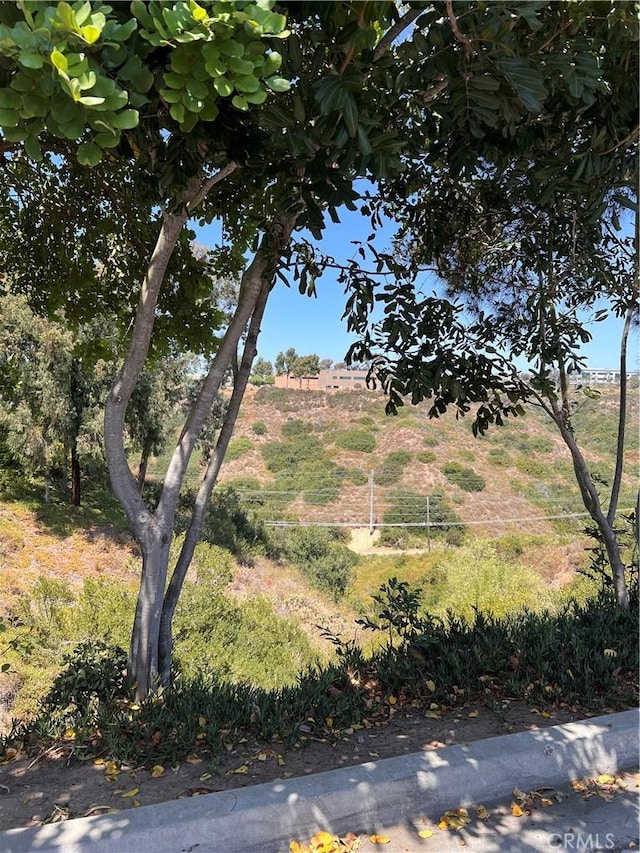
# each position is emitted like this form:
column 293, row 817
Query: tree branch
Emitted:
column 211, row 182
column 455, row 29
column 391, row 35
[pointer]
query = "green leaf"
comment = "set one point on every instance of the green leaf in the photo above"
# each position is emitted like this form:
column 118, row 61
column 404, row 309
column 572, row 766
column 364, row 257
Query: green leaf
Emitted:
column 240, row 103
column 89, row 154
column 32, row 148
column 126, row 120
column 9, row 118
column 30, row 60
column 177, row 112
column 59, row 61
column 350, row 112
column 363, row 141
column 223, row 87
column 88, row 101
column 528, row 82
column 278, row 84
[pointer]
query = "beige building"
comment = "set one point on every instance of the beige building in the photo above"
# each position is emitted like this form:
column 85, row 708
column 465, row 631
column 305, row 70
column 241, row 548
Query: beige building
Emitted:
column 335, row 379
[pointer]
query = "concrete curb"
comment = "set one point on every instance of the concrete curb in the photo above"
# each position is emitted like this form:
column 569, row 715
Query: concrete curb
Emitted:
column 264, row 818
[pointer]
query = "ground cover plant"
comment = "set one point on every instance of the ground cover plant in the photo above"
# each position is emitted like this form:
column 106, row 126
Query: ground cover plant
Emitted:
column 585, row 655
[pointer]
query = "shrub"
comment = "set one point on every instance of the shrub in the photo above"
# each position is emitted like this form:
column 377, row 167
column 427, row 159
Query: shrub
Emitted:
column 259, row 428
column 532, row 467
column 322, row 559
column 287, row 456
column 430, row 441
column 464, row 478
column 499, row 458
column 238, row 447
column 295, row 427
column 426, row 456
column 359, row 440
column 391, row 470
column 226, row 523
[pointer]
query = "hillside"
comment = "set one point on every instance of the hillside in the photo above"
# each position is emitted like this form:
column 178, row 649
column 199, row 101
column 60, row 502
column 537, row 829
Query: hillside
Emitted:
column 529, row 485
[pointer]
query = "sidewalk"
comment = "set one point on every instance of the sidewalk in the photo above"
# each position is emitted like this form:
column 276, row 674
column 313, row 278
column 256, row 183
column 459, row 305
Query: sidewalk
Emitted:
column 390, row 797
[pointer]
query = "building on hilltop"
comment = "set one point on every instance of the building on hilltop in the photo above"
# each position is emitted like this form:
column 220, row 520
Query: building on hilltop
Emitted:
column 601, row 375
column 335, row 379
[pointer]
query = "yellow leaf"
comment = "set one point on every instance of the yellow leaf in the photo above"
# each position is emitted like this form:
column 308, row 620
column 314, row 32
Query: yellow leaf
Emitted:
column 296, row 847
column 322, row 842
column 262, row 756
column 516, row 811
column 545, row 802
column 546, row 714
column 473, row 713
column 329, row 722
column 432, row 715
column 244, row 768
column 444, row 824
column 430, row 685
column 69, row 734
column 205, row 776
column 425, row 833
column 136, row 804
column 482, row 813
column 379, row 839
column 98, row 762
column 392, row 701
column 281, row 761
column 131, row 793
column 156, row 771
column 202, row 721
column 606, row 779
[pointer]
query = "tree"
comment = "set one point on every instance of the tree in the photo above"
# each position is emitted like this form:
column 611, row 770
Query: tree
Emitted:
column 185, row 106
column 285, row 361
column 261, row 372
column 306, row 365
column 531, row 249
column 50, row 390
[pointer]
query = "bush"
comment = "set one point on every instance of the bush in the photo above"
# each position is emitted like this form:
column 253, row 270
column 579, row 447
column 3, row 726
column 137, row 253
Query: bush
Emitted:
column 392, row 468
column 259, row 428
column 426, row 456
column 359, row 440
column 320, row 556
column 464, row 478
column 238, row 447
column 295, row 427
column 226, row 523
column 287, row 456
column 530, row 466
column 499, row 458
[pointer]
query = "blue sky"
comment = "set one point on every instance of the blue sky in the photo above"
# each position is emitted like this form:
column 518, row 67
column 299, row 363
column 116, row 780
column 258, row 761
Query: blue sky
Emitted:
column 314, row 325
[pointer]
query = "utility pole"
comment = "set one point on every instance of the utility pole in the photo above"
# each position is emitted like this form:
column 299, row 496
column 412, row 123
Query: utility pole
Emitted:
column 428, row 526
column 371, row 516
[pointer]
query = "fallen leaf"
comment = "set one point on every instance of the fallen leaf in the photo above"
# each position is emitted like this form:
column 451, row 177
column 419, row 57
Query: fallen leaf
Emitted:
column 473, row 713
column 98, row 762
column 606, row 779
column 329, row 722
column 131, row 793
column 392, row 701
column 430, row 685
column 516, row 811
column 482, row 813
column 425, row 833
column 323, row 842
column 261, row 756
column 519, row 795
column 205, row 776
column 244, row 768
column 202, row 721
column 379, row 839
column 296, row 847
column 157, row 770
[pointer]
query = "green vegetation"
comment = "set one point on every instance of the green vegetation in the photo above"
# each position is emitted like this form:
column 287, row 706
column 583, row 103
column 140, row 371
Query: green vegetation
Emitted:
column 359, row 440
column 238, row 447
column 426, row 456
column 321, row 556
column 465, row 478
column 392, row 468
column 409, row 508
column 586, row 655
column 259, row 428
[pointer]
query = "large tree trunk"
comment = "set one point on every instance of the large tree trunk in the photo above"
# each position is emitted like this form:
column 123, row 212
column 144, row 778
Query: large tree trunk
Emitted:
column 143, row 652
column 204, row 493
column 153, row 530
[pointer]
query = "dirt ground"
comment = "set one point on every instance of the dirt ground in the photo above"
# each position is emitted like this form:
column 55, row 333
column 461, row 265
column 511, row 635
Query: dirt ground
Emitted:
column 52, row 786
